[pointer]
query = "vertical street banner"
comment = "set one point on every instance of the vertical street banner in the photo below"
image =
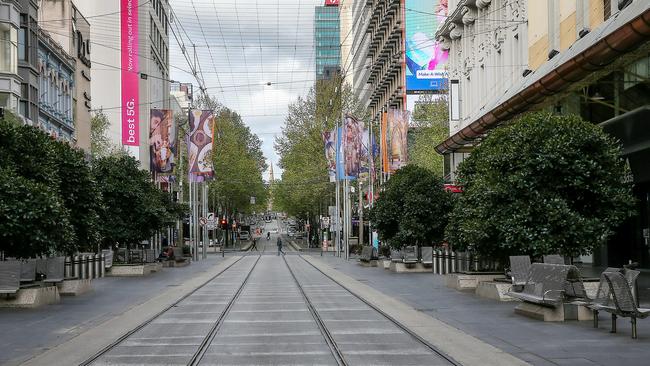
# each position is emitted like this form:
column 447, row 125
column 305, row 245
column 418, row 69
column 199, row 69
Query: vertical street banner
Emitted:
column 199, row 146
column 364, row 155
column 383, row 142
column 424, row 56
column 352, row 144
column 329, row 140
column 162, row 141
column 397, row 144
column 130, row 69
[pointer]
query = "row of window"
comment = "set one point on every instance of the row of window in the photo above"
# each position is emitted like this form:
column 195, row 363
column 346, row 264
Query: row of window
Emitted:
column 56, row 92
column 159, row 41
column 160, row 12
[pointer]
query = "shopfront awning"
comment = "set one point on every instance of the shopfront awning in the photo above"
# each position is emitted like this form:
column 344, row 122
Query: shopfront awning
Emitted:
column 623, row 33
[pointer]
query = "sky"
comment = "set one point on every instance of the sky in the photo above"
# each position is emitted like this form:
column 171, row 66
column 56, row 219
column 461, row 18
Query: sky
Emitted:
column 241, row 46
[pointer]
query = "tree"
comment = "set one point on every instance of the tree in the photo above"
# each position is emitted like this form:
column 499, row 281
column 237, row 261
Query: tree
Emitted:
column 133, row 207
column 430, row 127
column 544, row 184
column 80, row 195
column 305, row 189
column 412, row 209
column 100, row 143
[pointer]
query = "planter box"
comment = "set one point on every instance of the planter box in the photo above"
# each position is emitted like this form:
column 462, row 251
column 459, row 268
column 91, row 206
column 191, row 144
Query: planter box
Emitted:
column 409, row 268
column 129, row 270
column 183, row 263
column 32, row 298
column 371, row 263
column 558, row 314
column 74, row 287
column 469, row 281
column 494, row 290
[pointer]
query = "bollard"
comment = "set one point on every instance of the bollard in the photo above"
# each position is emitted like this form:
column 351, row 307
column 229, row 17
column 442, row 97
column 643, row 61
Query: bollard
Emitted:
column 76, row 266
column 102, row 265
column 453, row 261
column 84, row 267
column 435, row 261
column 97, row 266
column 447, row 266
column 91, row 266
column 439, row 261
column 68, row 268
column 475, row 263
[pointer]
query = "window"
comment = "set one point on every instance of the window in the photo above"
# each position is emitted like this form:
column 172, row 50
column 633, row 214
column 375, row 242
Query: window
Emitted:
column 8, row 49
column 22, row 44
column 9, row 101
column 607, row 9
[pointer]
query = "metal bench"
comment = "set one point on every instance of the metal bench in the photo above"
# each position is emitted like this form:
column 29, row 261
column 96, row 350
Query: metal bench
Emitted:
column 603, row 295
column 410, row 254
column 553, row 259
column 28, row 271
column 395, row 256
column 619, row 301
column 427, row 256
column 149, row 255
column 54, row 269
column 550, row 284
column 108, row 258
column 367, row 254
column 519, row 269
column 9, row 277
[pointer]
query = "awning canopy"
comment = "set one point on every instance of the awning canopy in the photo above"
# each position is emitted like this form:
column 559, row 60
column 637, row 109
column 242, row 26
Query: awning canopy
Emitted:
column 628, row 30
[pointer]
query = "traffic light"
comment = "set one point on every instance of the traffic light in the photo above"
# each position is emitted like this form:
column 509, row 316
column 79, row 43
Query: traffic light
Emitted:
column 224, row 224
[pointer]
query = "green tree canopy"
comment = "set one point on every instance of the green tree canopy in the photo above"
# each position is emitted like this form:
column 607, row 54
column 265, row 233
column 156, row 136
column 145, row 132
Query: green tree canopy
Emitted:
column 412, row 209
column 430, row 127
column 544, row 184
column 305, row 187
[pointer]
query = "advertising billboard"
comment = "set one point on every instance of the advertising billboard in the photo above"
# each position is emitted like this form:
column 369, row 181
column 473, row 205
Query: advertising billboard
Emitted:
column 425, row 58
column 130, row 69
column 162, row 141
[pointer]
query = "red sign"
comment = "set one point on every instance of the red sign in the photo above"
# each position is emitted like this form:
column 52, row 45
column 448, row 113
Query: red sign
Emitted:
column 453, row 188
column 331, row 2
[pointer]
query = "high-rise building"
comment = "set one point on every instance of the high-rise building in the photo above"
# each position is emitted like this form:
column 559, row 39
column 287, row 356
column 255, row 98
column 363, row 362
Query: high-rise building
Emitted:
column 378, row 54
column 125, row 88
column 326, row 41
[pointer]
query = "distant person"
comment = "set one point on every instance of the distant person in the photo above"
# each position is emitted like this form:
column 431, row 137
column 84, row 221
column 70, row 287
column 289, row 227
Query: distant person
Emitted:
column 268, row 236
column 280, row 246
column 254, row 245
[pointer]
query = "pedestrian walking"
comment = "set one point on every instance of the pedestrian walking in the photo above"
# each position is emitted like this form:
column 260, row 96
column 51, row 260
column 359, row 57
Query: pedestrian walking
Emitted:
column 280, row 246
column 254, row 245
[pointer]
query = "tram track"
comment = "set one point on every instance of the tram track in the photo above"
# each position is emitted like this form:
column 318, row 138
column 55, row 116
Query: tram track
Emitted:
column 206, row 341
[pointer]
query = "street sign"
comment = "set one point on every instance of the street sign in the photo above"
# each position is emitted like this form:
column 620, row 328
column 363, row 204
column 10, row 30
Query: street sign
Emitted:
column 252, row 200
column 203, row 221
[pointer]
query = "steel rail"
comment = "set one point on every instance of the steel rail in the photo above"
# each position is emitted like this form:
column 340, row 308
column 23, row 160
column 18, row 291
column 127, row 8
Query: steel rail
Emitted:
column 331, row 343
column 390, row 318
column 205, row 344
column 151, row 319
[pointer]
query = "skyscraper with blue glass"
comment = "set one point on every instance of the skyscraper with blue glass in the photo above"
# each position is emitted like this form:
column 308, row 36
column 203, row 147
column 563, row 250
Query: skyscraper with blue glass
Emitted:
column 327, row 41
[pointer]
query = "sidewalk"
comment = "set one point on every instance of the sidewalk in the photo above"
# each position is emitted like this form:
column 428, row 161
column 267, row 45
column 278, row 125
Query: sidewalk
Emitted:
column 27, row 332
column 537, row 342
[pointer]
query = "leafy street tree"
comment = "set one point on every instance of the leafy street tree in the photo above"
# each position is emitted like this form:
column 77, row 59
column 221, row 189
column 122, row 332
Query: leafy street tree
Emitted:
column 429, row 128
column 305, row 188
column 133, row 207
column 412, row 209
column 544, row 184
column 100, row 143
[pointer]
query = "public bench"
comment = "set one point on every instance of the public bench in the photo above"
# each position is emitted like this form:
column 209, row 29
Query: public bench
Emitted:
column 426, row 256
column 410, row 255
column 368, row 254
column 519, row 269
column 10, row 273
column 619, row 300
column 395, row 255
column 550, row 284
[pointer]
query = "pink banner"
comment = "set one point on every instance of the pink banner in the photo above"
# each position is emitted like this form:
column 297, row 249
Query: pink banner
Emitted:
column 130, row 95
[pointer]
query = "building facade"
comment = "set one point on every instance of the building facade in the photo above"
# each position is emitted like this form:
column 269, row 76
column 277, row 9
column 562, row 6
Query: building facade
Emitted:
column 378, row 54
column 326, row 42
column 585, row 57
column 153, row 65
column 28, row 62
column 66, row 25
column 56, row 88
column 10, row 81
